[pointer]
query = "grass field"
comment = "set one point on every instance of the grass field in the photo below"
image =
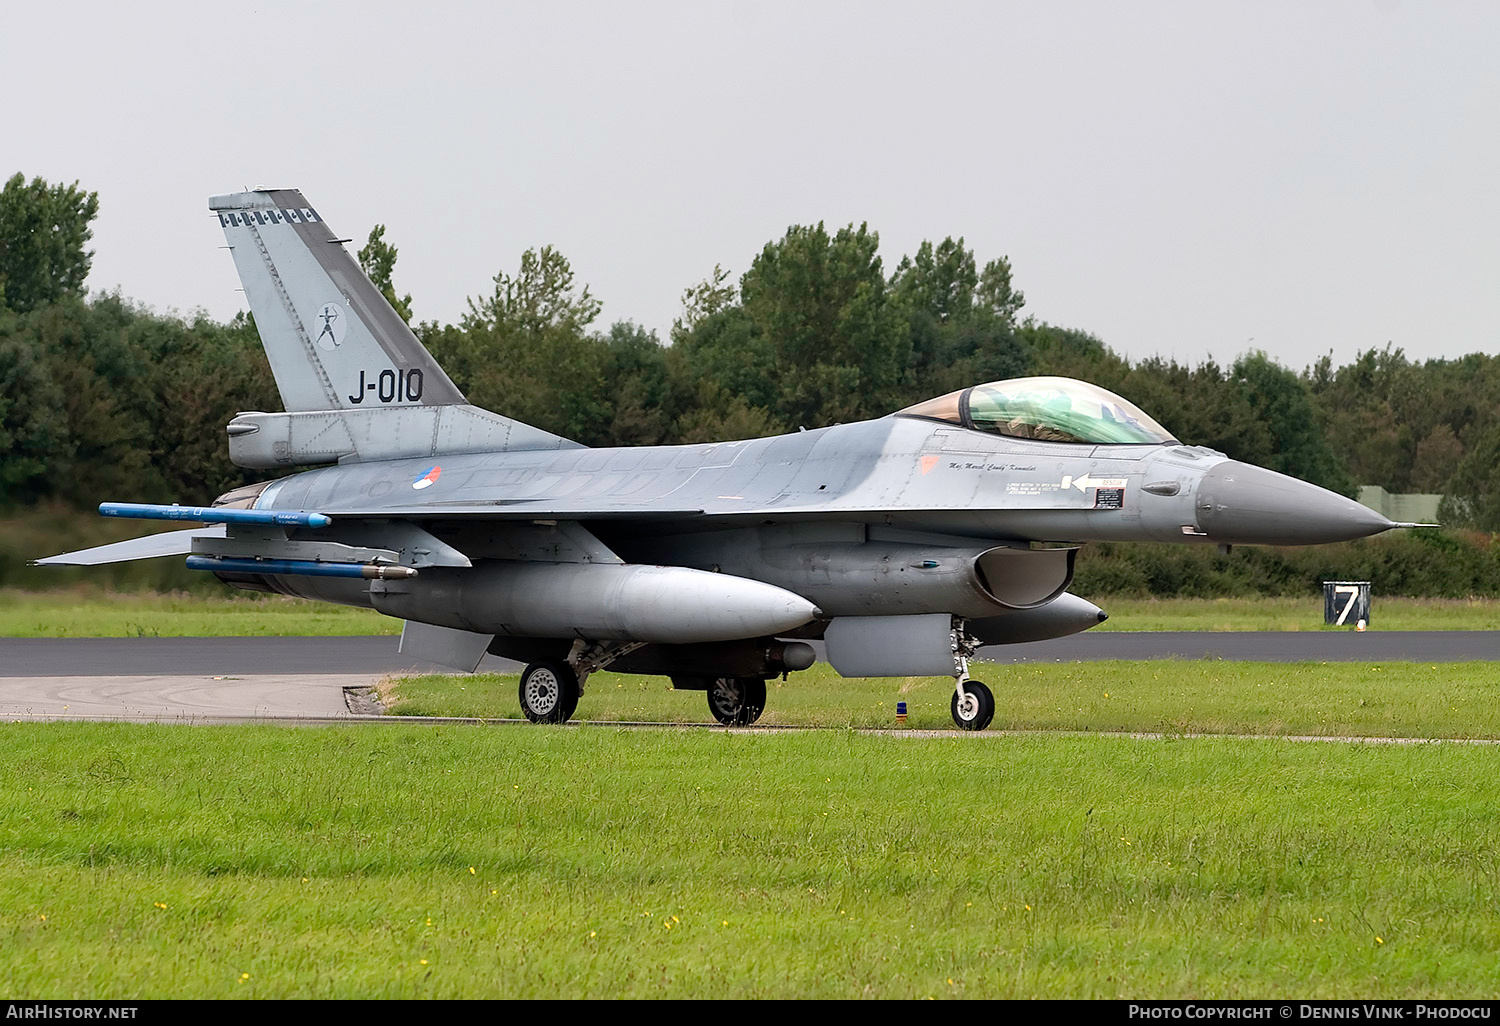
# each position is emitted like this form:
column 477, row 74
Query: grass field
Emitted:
column 1450, row 700
column 396, row 862
column 1294, row 614
column 86, row 613
column 410, row 861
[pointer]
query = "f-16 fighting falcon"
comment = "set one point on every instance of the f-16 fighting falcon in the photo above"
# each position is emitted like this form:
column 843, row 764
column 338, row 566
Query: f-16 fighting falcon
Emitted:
column 904, row 543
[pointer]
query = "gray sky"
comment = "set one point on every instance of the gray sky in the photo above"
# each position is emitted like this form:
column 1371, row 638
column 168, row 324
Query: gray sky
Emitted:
column 1178, row 178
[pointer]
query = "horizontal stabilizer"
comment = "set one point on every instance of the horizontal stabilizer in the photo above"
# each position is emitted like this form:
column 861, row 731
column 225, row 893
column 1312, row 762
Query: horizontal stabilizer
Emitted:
column 271, row 441
column 169, row 543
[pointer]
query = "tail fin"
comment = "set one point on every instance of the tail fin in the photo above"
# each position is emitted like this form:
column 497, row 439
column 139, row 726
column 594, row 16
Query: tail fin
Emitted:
column 332, row 339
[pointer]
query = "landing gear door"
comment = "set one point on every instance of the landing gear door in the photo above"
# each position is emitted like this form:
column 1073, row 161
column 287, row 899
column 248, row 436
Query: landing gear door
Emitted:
column 892, row 646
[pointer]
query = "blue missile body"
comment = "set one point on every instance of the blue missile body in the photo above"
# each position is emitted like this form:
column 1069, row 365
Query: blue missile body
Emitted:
column 213, row 514
column 298, row 568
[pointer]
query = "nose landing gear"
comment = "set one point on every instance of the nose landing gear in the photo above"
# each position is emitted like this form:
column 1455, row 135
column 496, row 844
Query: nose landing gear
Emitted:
column 973, row 704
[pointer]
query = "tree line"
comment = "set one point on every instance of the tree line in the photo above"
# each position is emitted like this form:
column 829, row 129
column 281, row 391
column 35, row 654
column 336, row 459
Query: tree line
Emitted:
column 103, row 398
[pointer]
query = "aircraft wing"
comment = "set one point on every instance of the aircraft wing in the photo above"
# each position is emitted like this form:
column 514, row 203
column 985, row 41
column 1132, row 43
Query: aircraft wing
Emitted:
column 168, row 543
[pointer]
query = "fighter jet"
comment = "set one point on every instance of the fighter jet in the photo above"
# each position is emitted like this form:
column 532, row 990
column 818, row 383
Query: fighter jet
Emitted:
column 904, row 543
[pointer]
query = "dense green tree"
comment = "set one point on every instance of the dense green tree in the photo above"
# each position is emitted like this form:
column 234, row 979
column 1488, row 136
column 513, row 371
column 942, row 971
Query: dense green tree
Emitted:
column 1202, row 405
column 1071, row 353
column 44, row 230
column 378, row 260
column 717, row 416
column 1472, row 492
column 702, row 301
column 1407, row 426
column 103, row 400
column 204, row 373
column 525, row 350
column 1281, row 402
column 1437, row 459
column 996, row 294
column 1372, row 414
column 728, row 351
column 637, row 380
column 34, row 442
column 839, row 345
column 961, row 322
column 938, row 281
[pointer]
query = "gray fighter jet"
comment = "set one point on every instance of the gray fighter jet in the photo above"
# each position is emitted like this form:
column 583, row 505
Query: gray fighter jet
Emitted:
column 904, row 543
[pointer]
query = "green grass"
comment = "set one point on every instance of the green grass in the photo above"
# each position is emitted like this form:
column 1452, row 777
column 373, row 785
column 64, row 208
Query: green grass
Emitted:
column 395, row 862
column 86, row 612
column 89, row 614
column 1295, row 614
column 1452, row 700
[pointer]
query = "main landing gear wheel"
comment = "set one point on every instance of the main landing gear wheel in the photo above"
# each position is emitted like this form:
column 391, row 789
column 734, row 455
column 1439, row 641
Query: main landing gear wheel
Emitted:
column 549, row 692
column 976, row 709
column 736, row 701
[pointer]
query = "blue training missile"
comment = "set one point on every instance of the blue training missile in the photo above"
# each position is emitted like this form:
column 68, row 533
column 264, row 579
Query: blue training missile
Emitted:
column 213, row 514
column 299, row 568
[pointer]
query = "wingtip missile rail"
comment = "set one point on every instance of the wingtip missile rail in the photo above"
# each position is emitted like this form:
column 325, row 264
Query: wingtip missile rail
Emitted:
column 214, row 514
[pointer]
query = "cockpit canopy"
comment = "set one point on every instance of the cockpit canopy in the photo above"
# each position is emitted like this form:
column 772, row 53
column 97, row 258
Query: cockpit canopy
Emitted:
column 1048, row 409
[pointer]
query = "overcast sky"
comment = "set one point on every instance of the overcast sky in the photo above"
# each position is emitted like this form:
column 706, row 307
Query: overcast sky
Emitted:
column 1188, row 179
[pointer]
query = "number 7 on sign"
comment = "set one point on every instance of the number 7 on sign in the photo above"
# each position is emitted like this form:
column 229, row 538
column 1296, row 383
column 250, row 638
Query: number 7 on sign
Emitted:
column 1352, row 590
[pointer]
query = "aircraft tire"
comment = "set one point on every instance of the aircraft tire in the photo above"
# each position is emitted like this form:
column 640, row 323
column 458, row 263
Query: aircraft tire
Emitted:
column 549, row 692
column 736, row 701
column 977, row 711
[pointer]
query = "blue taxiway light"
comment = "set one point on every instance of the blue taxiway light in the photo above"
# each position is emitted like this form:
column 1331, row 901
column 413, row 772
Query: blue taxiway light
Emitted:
column 213, row 514
column 298, row 568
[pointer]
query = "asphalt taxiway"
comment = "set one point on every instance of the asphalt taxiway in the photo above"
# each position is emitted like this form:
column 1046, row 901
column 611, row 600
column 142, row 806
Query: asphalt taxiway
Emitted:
column 94, row 657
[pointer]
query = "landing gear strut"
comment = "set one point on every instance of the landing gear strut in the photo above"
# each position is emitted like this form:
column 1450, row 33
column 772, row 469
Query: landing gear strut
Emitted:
column 973, row 705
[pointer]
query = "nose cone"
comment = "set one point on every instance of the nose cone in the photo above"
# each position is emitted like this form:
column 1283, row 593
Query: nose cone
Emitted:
column 1248, row 505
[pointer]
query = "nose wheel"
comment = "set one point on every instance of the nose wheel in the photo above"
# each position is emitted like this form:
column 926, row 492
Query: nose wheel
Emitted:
column 973, row 706
column 549, row 692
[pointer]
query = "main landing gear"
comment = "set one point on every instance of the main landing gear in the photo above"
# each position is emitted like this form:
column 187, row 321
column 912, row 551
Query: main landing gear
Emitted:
column 736, row 701
column 550, row 688
column 549, row 692
column 973, row 704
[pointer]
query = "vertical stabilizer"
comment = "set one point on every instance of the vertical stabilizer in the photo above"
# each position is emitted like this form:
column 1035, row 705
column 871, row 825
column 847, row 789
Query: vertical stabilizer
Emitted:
column 332, row 339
